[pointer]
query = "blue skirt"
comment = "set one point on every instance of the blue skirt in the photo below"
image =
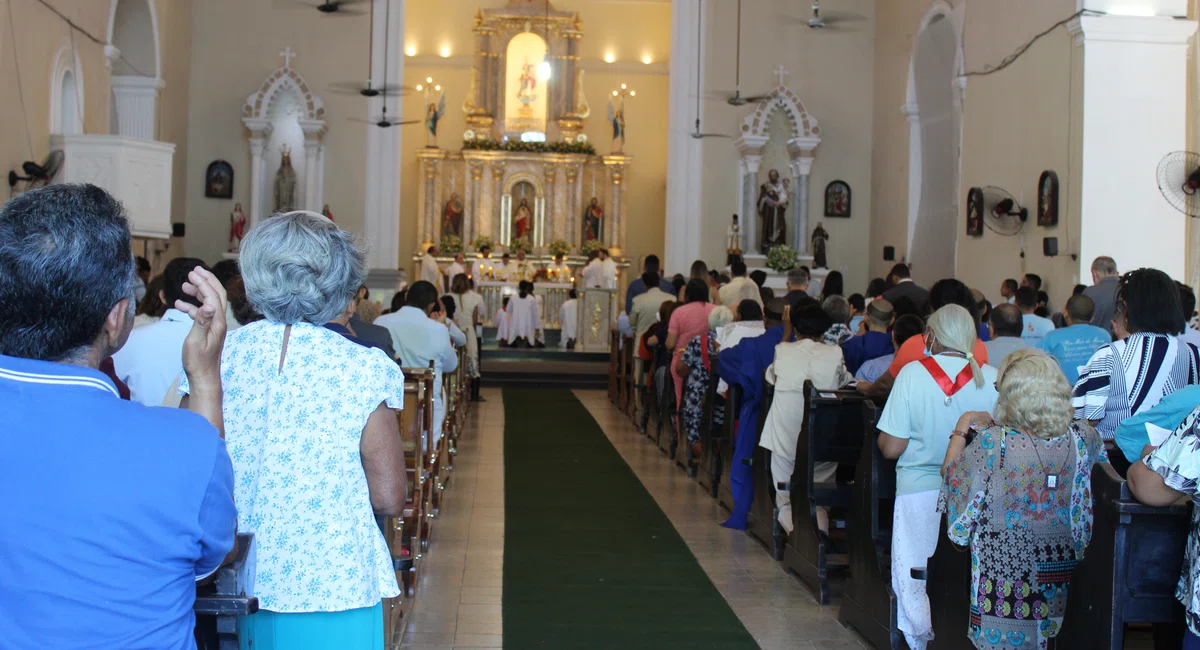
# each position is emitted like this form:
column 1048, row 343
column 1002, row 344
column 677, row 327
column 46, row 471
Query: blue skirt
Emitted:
column 354, row 629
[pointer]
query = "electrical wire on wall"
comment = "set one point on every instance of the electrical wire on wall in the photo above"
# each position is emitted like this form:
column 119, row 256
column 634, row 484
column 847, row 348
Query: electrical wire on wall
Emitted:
column 1012, row 58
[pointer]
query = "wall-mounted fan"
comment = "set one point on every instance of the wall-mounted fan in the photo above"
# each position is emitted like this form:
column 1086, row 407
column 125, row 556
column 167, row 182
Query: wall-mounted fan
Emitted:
column 1179, row 181
column 1001, row 212
column 37, row 175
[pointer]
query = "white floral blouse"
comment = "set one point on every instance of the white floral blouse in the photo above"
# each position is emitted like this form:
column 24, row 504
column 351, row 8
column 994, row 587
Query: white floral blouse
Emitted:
column 299, row 483
column 1177, row 460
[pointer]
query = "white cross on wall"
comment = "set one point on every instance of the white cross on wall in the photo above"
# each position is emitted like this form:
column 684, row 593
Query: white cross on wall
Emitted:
column 781, row 72
column 288, row 55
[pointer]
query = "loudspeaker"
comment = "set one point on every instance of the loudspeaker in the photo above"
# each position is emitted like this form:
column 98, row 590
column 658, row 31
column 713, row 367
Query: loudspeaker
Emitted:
column 177, row 229
column 889, row 253
column 1050, row 246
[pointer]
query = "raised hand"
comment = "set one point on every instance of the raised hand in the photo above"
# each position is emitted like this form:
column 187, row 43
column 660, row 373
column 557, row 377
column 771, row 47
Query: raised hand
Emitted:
column 203, row 345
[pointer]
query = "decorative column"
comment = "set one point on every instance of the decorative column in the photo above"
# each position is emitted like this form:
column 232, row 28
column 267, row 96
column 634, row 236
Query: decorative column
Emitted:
column 312, row 173
column 570, row 124
column 616, row 207
column 1134, row 84
column 801, row 168
column 259, row 130
column 472, row 203
column 550, row 174
column 381, row 205
column 571, row 204
column 750, row 165
column 498, row 168
column 136, row 100
column 685, row 154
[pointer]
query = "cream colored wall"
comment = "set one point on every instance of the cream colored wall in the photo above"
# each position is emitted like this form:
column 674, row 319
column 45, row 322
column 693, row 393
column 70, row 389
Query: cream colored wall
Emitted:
column 175, row 42
column 1016, row 123
column 235, row 45
column 832, row 72
column 627, row 30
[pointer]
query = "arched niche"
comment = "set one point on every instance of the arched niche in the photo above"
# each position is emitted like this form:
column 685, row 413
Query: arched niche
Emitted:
column 934, row 112
column 511, row 199
column 66, row 93
column 526, row 101
column 134, row 57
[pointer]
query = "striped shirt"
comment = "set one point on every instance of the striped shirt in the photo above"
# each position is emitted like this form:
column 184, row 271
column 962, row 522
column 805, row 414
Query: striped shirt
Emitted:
column 1127, row 377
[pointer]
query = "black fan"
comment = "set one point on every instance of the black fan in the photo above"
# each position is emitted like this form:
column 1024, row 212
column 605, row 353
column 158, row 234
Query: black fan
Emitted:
column 37, row 175
column 831, row 19
column 1001, row 212
column 736, row 98
column 367, row 89
column 338, row 7
column 384, row 121
column 1179, row 180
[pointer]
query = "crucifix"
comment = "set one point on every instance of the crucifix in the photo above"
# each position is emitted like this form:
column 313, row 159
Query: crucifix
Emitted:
column 288, row 55
column 781, row 72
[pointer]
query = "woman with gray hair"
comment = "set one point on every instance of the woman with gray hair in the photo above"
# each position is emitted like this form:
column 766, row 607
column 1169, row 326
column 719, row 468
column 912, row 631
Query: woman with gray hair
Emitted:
column 924, row 407
column 315, row 444
column 1020, row 497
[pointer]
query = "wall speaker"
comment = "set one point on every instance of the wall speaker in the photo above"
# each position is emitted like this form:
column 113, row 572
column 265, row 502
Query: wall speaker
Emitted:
column 889, row 253
column 1050, row 246
column 177, row 229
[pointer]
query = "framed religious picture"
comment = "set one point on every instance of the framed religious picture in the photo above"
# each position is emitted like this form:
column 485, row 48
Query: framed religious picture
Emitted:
column 975, row 212
column 837, row 200
column 1047, row 207
column 218, row 180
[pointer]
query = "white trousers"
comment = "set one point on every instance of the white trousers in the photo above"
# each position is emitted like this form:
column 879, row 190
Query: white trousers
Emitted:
column 781, row 472
column 915, row 526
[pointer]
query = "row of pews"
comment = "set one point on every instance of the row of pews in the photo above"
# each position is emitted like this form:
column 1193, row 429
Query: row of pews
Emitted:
column 1126, row 581
column 429, row 465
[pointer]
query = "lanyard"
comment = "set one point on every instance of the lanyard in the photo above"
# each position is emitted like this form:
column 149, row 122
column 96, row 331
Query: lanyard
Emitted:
column 943, row 380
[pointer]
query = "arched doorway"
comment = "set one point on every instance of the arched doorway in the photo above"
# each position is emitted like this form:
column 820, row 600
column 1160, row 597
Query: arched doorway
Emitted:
column 935, row 113
column 66, row 93
column 136, row 74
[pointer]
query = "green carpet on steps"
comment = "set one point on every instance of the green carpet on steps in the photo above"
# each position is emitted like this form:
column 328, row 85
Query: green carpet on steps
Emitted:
column 590, row 560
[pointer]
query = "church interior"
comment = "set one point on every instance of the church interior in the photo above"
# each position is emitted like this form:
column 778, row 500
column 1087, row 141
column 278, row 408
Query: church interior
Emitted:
column 581, row 143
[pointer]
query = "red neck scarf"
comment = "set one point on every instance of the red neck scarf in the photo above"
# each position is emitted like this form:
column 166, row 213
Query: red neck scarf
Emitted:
column 943, row 380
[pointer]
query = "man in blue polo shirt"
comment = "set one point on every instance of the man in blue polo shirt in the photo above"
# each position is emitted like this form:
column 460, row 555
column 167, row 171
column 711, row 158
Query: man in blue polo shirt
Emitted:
column 112, row 510
column 1073, row 346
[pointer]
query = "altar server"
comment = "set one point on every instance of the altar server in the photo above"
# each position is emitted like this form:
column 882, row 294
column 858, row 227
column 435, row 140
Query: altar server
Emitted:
column 502, row 320
column 524, row 318
column 568, row 315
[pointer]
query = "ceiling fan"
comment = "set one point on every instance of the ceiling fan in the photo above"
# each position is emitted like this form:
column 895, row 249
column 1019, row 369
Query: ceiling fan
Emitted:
column 383, row 121
column 831, row 19
column 736, row 98
column 697, row 135
column 337, row 7
column 368, row 89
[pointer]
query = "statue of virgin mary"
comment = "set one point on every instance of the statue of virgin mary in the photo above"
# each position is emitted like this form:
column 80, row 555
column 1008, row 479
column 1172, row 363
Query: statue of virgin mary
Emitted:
column 285, row 184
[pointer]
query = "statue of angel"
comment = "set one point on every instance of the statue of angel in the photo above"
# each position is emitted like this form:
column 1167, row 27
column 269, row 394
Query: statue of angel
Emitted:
column 432, row 115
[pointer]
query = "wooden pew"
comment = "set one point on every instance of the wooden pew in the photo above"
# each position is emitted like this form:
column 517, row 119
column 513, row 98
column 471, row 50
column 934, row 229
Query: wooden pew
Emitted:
column 832, row 432
column 220, row 603
column 668, row 411
column 628, row 394
column 733, row 406
column 644, row 389
column 760, row 521
column 948, row 583
column 869, row 604
column 614, row 364
column 1129, row 571
column 406, row 535
column 707, row 468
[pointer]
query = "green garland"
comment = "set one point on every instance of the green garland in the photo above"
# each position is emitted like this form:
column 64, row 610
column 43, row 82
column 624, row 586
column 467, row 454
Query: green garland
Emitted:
column 517, row 146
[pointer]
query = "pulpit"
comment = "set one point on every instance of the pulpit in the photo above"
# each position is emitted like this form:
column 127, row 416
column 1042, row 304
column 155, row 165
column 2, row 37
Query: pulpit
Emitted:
column 596, row 316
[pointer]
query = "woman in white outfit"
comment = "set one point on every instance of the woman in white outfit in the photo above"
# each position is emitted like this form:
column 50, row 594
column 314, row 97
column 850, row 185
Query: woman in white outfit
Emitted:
column 922, row 411
column 467, row 305
column 524, row 317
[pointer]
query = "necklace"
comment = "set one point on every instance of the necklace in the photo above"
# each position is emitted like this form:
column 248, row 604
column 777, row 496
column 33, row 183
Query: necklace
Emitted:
column 1051, row 478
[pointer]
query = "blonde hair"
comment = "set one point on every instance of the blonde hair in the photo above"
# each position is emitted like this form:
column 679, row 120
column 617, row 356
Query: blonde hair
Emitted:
column 954, row 327
column 719, row 317
column 1035, row 397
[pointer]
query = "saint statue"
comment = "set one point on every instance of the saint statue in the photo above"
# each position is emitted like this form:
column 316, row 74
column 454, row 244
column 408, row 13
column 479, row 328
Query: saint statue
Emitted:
column 285, row 184
column 616, row 117
column 522, row 219
column 772, row 211
column 527, row 93
column 819, row 237
column 433, row 114
column 593, row 221
column 733, row 242
column 237, row 228
column 452, row 216
column 327, row 213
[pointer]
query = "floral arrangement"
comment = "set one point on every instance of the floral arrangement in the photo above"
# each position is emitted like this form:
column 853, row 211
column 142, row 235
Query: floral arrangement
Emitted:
column 450, row 244
column 488, row 144
column 520, row 244
column 484, row 241
column 782, row 258
column 591, row 245
column 558, row 247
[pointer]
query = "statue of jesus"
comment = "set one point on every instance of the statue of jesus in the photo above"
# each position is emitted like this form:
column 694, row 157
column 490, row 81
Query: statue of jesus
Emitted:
column 522, row 219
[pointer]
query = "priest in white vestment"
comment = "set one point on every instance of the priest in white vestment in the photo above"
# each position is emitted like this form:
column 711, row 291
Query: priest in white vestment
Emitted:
column 524, row 317
column 429, row 268
column 522, row 270
column 568, row 315
column 482, row 265
column 503, row 272
column 459, row 265
column 558, row 271
column 609, row 270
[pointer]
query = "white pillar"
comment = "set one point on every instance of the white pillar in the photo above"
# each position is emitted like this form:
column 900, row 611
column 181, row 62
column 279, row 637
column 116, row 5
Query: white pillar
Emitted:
column 801, row 168
column 1133, row 112
column 382, row 202
column 685, row 155
column 258, row 144
column 136, row 100
column 750, row 203
column 310, row 176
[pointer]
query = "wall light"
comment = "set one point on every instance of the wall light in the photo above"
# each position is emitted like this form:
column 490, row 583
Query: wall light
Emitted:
column 420, row 87
column 543, row 69
column 646, row 59
column 411, row 50
column 438, row 88
column 609, row 57
column 445, row 51
column 428, row 80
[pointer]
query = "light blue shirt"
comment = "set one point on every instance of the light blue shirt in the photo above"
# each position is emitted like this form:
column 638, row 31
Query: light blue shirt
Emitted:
column 1131, row 435
column 1034, row 328
column 1072, row 347
column 419, row 339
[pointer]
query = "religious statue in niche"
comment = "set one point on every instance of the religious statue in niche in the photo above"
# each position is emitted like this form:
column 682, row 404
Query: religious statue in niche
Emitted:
column 527, row 93
column 218, row 180
column 616, row 117
column 837, row 199
column 733, row 242
column 593, row 221
column 772, row 211
column 975, row 212
column 452, row 216
column 819, row 237
column 327, row 213
column 522, row 219
column 237, row 228
column 285, row 184
column 1047, row 213
column 433, row 114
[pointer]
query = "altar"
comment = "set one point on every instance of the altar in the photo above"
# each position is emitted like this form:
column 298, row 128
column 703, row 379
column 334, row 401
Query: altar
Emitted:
column 525, row 175
column 553, row 295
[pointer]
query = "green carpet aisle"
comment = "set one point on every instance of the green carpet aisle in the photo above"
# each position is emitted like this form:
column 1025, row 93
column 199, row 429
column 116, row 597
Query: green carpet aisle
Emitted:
column 590, row 561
